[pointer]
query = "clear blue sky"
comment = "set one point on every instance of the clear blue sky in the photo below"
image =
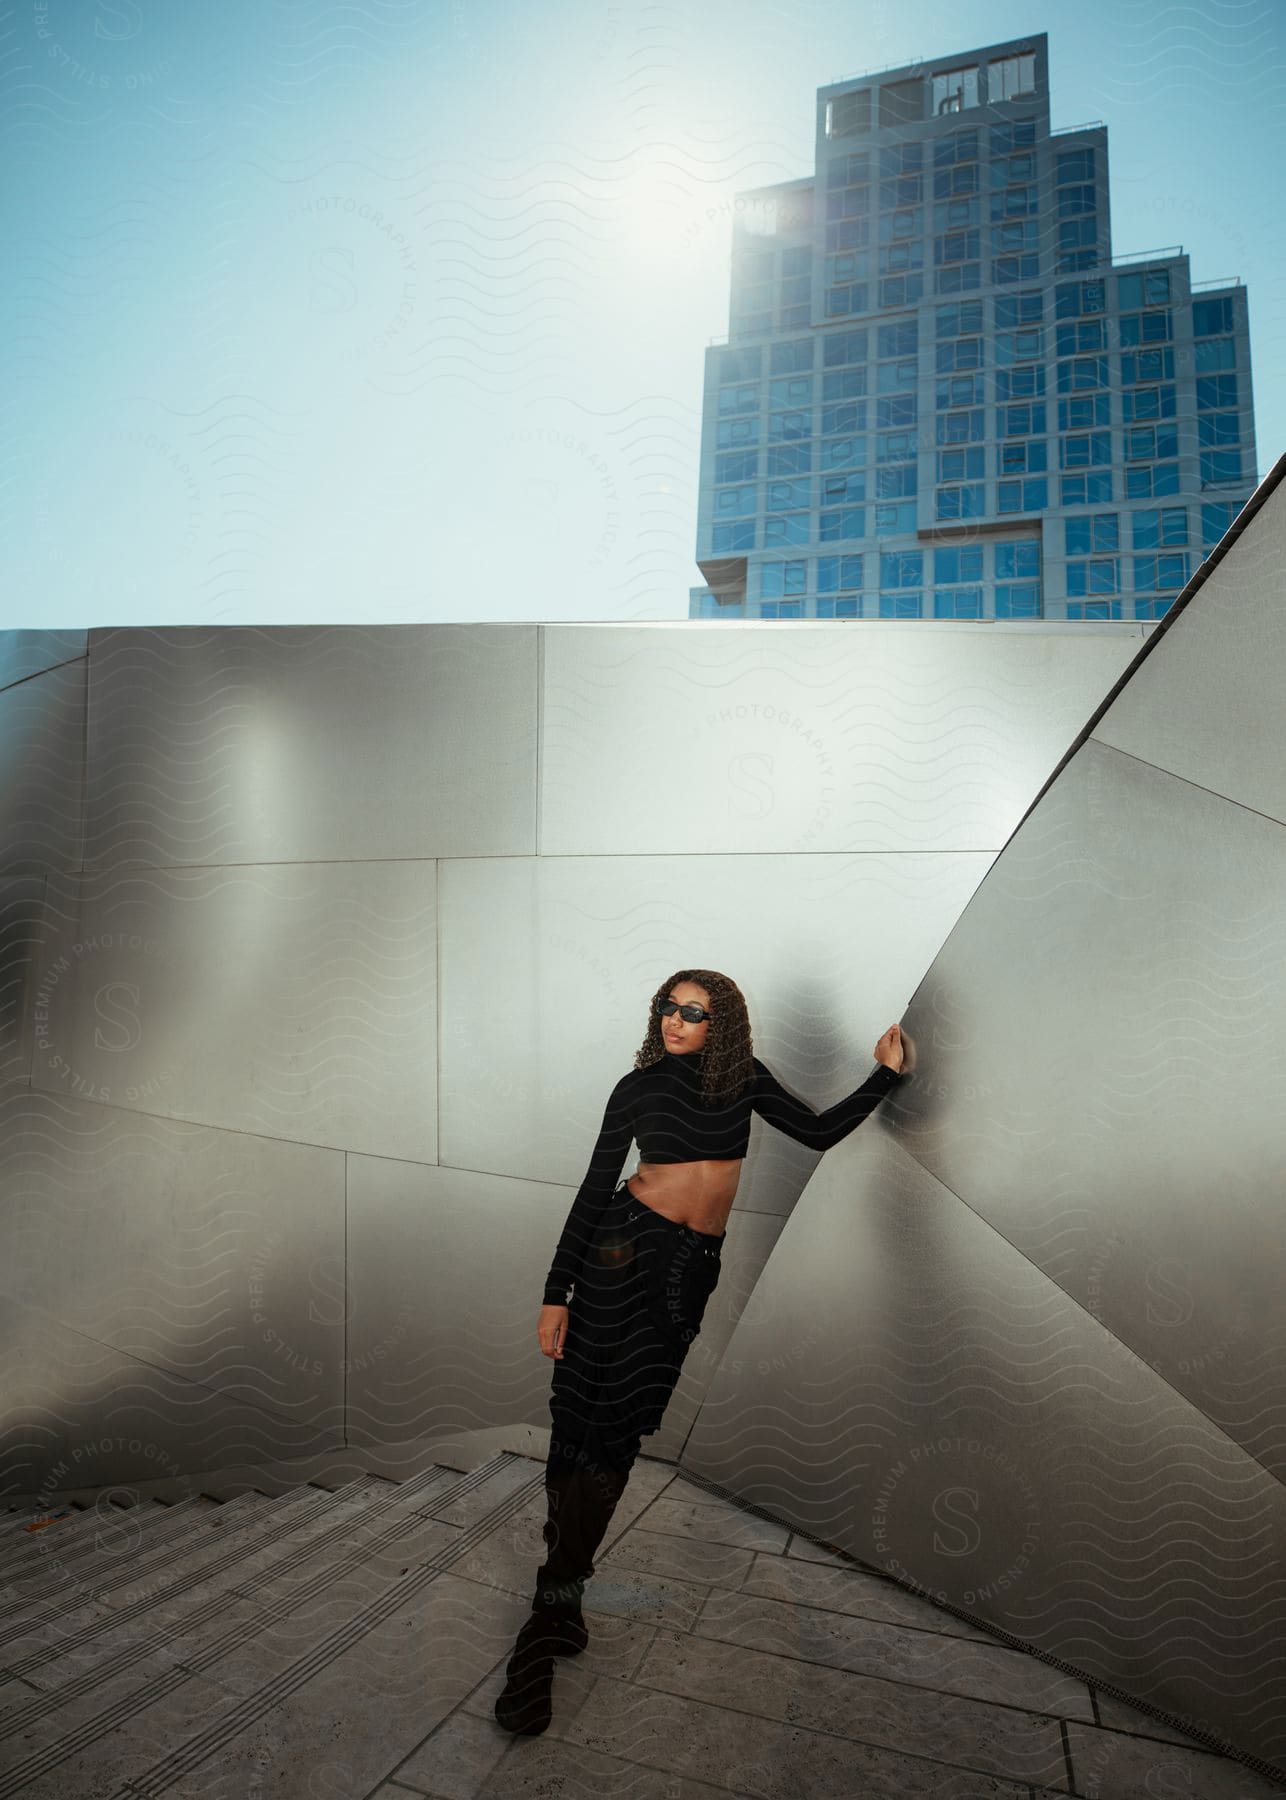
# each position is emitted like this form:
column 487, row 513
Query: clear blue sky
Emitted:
column 397, row 312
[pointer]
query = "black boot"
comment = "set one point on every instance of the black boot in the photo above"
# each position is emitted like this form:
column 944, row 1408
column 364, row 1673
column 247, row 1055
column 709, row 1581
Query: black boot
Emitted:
column 524, row 1703
column 580, row 1509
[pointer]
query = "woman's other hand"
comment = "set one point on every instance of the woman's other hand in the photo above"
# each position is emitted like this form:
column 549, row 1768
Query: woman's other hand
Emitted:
column 551, row 1329
column 890, row 1050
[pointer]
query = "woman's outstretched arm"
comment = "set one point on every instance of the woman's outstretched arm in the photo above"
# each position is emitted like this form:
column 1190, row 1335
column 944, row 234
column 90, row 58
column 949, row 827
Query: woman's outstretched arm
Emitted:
column 819, row 1130
column 605, row 1165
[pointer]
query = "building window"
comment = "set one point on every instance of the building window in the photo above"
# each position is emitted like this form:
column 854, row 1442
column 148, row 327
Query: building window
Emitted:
column 955, row 91
column 1146, row 328
column 1016, row 268
column 967, row 502
column 1154, row 573
column 901, row 568
column 1084, row 412
column 787, row 528
column 739, row 399
column 1140, row 404
column 837, row 573
column 1150, row 287
column 1218, row 466
column 849, row 115
column 901, row 290
column 792, row 358
column 1012, row 310
column 1020, row 421
column 740, row 365
column 1209, row 317
column 1148, row 443
column 779, row 578
column 960, row 427
column 1216, row 517
column 1010, row 78
column 1082, row 372
column 1085, row 449
column 1074, row 165
column 849, row 522
column 1092, row 532
column 1073, row 298
column 961, row 465
column 735, row 503
column 1021, row 457
column 790, row 459
column 1018, row 561
column 1024, row 383
column 1022, row 496
column 844, row 384
column 1072, row 201
column 1218, row 428
column 957, row 603
column 1146, row 365
column 1151, row 481
column 790, row 391
column 1018, row 600
column 844, row 453
column 894, row 411
column 731, row 434
column 894, row 481
column 895, row 519
column 961, row 319
column 1156, row 529
column 1080, row 337
column 957, row 563
column 842, row 490
column 737, row 465
column 1101, row 575
column 1094, row 489
column 734, row 537
column 784, row 427
column 786, row 496
column 959, row 353
column 898, row 338
column 840, row 347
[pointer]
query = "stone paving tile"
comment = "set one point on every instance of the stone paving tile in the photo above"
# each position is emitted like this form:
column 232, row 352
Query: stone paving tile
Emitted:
column 714, row 1522
column 1116, row 1765
column 764, row 1758
column 870, row 1647
column 997, row 1740
column 850, row 1590
column 692, row 1559
column 1117, row 1716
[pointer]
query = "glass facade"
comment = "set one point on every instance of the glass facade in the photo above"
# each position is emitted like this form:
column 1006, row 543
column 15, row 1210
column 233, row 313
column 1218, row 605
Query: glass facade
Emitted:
column 939, row 396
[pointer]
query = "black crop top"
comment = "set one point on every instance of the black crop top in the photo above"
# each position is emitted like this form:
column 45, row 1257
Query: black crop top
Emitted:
column 661, row 1109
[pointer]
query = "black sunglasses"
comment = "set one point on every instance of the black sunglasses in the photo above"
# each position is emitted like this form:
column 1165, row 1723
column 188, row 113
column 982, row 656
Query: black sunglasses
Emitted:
column 693, row 1014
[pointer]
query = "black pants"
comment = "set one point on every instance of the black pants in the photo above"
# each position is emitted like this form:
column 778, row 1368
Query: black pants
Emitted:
column 637, row 1308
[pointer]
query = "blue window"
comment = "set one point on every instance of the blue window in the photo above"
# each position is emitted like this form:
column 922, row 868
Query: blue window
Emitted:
column 1147, row 365
column 1093, row 489
column 779, row 578
column 1020, row 421
column 1018, row 600
column 735, row 537
column 1149, row 443
column 960, row 146
column 1016, row 268
column 836, row 573
column 958, row 563
column 1216, row 390
column 1084, row 412
column 902, row 159
column 950, row 183
column 1026, row 383
column 841, row 301
column 1018, row 561
column 1085, row 449
column 893, row 481
column 787, row 528
column 786, row 496
column 959, row 353
column 957, row 278
column 891, row 376
column 1016, row 134
column 843, row 384
column 896, row 259
column 839, row 608
column 1080, row 337
column 1146, row 328
column 731, row 434
column 1022, row 458
column 1082, row 372
column 958, row 390
column 900, row 338
column 1209, row 354
column 786, row 427
column 1150, row 481
column 1142, row 403
column 1150, row 287
column 1074, row 165
column 848, row 417
column 896, row 446
column 1072, row 298
column 958, row 603
column 961, row 465
column 1015, row 202
column 894, row 519
column 844, row 453
column 901, row 290
column 1216, row 517
column 848, row 523
column 1023, row 496
column 842, row 171
column 1019, row 346
column 793, row 391
column 735, row 503
column 962, row 502
column 1152, row 573
column 739, row 399
column 1220, row 465
column 840, row 347
column 740, row 365
column 790, row 459
column 961, row 427
column 963, row 318
column 1101, row 575
column 1019, row 309
column 1219, row 428
column 903, row 191
column 841, row 490
column 895, row 410
column 1209, row 317
column 901, row 568
column 737, row 465
column 1092, row 532
column 1160, row 527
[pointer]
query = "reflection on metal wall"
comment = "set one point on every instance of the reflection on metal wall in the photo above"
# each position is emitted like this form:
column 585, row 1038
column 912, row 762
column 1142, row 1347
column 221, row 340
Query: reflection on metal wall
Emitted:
column 321, row 960
column 1043, row 1371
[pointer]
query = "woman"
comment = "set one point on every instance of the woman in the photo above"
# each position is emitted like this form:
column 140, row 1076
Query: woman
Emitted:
column 637, row 1266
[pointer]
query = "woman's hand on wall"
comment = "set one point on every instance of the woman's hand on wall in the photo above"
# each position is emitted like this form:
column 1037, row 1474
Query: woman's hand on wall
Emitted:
column 551, row 1329
column 890, row 1049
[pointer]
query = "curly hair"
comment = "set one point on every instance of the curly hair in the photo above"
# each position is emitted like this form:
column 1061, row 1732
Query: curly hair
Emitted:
column 727, row 1065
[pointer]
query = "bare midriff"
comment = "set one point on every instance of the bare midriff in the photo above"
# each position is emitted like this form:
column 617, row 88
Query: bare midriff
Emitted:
column 696, row 1194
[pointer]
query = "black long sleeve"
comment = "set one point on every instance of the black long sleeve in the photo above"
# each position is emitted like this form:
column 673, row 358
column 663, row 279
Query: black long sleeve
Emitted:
column 819, row 1130
column 605, row 1165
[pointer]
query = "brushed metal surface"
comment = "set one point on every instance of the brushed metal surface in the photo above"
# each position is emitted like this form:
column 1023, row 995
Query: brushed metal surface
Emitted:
column 42, row 754
column 311, row 745
column 293, row 1002
column 212, row 1256
column 744, row 739
column 1207, row 702
column 548, row 966
column 1109, row 1097
column 22, row 932
column 906, row 1384
column 27, row 653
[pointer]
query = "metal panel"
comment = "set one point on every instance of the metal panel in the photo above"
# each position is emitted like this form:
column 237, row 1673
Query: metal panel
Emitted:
column 905, row 1384
column 1109, row 1095
column 42, row 737
column 294, row 1002
column 446, row 1272
column 548, row 967
column 751, row 739
column 298, row 745
column 1207, row 701
column 22, row 930
column 78, row 1413
column 27, row 653
column 212, row 1256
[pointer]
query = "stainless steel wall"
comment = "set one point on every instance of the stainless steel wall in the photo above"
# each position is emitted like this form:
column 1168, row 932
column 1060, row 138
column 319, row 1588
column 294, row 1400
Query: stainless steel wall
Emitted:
column 322, row 949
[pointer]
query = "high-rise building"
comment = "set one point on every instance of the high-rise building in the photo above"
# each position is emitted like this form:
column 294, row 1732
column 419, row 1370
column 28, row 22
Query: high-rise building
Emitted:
column 940, row 396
